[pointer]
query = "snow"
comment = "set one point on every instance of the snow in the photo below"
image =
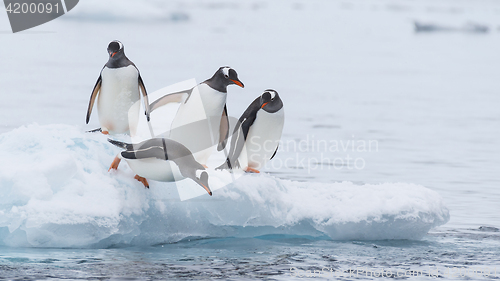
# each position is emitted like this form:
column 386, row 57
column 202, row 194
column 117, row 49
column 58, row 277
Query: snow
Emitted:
column 57, row 192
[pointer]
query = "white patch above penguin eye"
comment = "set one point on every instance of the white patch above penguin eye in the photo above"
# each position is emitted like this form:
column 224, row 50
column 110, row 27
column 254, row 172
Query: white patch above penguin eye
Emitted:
column 225, row 71
column 271, row 93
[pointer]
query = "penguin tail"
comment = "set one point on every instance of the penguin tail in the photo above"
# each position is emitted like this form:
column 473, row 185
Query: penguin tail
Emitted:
column 228, row 166
column 98, row 130
column 120, row 144
column 224, row 166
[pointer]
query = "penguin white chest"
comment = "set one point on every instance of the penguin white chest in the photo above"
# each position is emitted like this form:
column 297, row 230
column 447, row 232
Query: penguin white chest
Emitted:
column 156, row 169
column 202, row 103
column 213, row 100
column 202, row 111
column 263, row 138
column 119, row 91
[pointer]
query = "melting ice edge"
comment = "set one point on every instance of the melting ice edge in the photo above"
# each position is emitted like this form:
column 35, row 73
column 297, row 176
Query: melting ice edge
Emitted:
column 56, row 192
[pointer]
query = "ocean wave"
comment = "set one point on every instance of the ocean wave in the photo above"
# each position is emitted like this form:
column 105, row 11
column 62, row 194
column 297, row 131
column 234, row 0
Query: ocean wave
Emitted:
column 55, row 191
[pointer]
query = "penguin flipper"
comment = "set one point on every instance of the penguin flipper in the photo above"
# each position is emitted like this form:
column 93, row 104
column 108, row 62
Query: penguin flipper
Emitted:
column 239, row 138
column 145, row 97
column 173, row 97
column 96, row 90
column 274, row 152
column 121, row 144
column 223, row 130
column 149, row 152
column 98, row 130
column 228, row 165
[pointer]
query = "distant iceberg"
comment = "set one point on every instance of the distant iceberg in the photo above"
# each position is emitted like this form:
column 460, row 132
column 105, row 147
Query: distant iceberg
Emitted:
column 467, row 28
column 55, row 191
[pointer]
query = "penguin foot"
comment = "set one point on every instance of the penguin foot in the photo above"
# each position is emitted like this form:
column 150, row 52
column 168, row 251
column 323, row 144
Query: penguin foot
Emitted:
column 143, row 180
column 105, row 132
column 115, row 163
column 251, row 170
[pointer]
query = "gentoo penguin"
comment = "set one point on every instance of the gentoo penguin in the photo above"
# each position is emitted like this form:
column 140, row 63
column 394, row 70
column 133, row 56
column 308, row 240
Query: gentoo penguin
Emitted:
column 257, row 134
column 118, row 88
column 163, row 160
column 201, row 120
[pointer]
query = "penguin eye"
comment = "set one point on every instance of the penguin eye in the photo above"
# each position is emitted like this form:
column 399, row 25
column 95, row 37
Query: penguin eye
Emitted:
column 225, row 75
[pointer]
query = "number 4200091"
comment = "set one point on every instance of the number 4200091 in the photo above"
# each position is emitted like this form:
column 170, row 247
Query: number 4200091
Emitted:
column 32, row 8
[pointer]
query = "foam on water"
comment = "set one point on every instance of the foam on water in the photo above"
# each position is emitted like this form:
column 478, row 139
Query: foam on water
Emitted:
column 56, row 192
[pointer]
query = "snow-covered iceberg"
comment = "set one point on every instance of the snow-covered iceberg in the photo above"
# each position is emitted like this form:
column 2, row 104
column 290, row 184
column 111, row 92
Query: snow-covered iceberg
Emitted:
column 55, row 191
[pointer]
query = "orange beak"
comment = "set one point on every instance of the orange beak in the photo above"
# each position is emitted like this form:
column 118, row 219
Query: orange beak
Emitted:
column 112, row 55
column 264, row 104
column 207, row 189
column 238, row 83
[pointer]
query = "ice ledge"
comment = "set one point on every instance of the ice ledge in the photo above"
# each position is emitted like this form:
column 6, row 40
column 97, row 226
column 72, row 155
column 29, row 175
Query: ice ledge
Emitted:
column 55, row 191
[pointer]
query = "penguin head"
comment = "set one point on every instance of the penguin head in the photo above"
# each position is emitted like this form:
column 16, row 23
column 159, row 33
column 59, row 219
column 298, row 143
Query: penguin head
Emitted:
column 230, row 76
column 270, row 101
column 201, row 178
column 224, row 77
column 115, row 49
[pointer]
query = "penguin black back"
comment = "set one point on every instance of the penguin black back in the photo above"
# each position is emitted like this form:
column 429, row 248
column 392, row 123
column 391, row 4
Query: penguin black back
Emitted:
column 270, row 102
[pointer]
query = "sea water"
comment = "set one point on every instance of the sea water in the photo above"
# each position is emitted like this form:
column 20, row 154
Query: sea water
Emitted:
column 388, row 166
